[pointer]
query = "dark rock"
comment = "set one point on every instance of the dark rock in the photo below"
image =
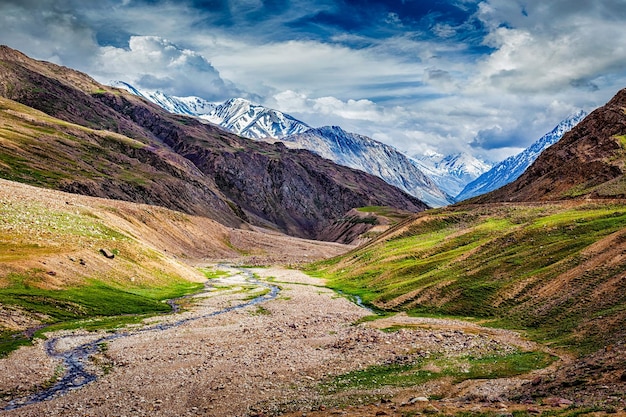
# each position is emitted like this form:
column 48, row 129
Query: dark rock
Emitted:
column 107, row 254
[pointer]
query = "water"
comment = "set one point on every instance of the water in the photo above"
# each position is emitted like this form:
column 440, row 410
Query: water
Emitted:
column 75, row 359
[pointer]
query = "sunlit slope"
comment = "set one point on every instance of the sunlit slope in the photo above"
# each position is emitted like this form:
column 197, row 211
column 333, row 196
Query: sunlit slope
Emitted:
column 558, row 270
column 40, row 150
column 65, row 257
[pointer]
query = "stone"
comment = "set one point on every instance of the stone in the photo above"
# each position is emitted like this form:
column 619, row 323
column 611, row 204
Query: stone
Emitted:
column 418, row 400
column 107, row 254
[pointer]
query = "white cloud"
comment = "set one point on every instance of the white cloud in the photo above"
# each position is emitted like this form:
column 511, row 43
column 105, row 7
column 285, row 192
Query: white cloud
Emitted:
column 556, row 47
column 543, row 61
column 366, row 110
column 153, row 63
column 327, row 69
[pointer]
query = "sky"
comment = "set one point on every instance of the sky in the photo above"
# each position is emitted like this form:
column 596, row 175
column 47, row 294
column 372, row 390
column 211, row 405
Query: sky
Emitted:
column 486, row 77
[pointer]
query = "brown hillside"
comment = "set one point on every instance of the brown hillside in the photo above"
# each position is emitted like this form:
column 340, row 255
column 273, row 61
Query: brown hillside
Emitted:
column 588, row 162
column 292, row 191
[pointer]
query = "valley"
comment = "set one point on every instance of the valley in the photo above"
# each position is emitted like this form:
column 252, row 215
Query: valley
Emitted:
column 228, row 352
column 156, row 264
column 227, row 356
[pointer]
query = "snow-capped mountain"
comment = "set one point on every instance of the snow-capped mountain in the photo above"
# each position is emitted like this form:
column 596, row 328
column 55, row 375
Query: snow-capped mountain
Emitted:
column 190, row 106
column 511, row 168
column 451, row 172
column 237, row 115
column 366, row 154
column 254, row 121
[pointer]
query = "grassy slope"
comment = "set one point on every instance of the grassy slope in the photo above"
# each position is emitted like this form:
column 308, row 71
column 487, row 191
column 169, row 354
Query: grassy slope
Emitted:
column 69, row 151
column 52, row 270
column 557, row 270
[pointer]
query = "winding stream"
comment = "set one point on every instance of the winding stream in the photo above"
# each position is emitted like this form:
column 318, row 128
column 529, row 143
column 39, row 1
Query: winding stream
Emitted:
column 75, row 360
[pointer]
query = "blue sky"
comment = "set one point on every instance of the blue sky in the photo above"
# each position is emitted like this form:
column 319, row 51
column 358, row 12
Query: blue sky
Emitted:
column 487, row 77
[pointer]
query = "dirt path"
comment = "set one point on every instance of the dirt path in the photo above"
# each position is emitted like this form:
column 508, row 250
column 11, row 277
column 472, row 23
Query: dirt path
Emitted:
column 265, row 359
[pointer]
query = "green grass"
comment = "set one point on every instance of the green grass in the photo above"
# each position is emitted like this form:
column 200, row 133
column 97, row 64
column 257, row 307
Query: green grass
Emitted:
column 428, row 369
column 210, row 273
column 491, row 263
column 94, row 306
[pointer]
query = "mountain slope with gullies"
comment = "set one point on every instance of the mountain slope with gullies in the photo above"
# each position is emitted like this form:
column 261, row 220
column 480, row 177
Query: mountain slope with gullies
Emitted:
column 555, row 271
column 588, row 162
column 290, row 190
column 368, row 155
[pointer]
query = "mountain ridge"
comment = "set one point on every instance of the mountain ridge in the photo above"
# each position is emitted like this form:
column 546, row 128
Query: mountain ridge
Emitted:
column 587, row 162
column 514, row 166
column 368, row 155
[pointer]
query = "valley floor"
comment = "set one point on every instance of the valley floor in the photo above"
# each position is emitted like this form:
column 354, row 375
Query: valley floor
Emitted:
column 292, row 354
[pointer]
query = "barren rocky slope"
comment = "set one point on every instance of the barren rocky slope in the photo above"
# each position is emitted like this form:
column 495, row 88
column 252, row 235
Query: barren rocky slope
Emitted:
column 51, row 240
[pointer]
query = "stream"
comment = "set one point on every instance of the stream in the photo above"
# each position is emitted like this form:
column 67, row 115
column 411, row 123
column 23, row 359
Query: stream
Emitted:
column 76, row 359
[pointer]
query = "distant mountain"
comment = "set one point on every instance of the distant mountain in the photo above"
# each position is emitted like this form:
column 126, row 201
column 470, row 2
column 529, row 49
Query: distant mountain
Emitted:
column 190, row 106
column 366, row 154
column 348, row 149
column 254, row 121
column 514, row 166
column 236, row 115
column 451, row 172
column 588, row 162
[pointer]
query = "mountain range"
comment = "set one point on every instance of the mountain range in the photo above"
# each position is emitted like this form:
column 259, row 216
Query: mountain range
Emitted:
column 451, row 172
column 436, row 179
column 236, row 115
column 356, row 151
column 512, row 167
column 106, row 142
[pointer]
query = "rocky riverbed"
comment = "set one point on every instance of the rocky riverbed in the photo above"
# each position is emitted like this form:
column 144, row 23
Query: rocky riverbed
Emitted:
column 270, row 358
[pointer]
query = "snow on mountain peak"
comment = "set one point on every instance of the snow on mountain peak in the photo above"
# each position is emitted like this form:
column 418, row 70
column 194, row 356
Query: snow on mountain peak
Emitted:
column 451, row 172
column 511, row 168
column 366, row 154
column 238, row 115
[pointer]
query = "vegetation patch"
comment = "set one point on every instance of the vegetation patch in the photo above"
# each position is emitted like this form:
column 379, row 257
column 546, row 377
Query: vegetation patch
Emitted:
column 544, row 268
column 423, row 370
column 211, row 273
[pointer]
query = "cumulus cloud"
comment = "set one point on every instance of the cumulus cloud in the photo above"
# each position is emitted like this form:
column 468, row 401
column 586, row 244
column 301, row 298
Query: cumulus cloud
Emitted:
column 47, row 30
column 151, row 62
column 366, row 110
column 551, row 46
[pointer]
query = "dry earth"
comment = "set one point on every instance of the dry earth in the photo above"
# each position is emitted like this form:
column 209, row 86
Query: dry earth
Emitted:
column 265, row 359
